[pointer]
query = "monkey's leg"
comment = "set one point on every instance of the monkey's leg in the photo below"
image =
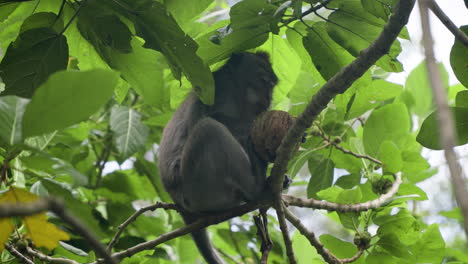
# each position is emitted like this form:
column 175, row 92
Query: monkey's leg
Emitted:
column 216, row 171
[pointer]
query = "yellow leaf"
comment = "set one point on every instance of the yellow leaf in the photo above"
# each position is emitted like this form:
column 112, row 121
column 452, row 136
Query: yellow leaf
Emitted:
column 43, row 233
column 15, row 195
column 6, row 227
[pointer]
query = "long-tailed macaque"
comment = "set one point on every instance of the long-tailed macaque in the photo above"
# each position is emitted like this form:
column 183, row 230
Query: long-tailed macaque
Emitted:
column 207, row 161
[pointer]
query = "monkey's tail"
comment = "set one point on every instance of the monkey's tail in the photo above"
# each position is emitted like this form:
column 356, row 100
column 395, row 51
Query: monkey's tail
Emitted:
column 201, row 239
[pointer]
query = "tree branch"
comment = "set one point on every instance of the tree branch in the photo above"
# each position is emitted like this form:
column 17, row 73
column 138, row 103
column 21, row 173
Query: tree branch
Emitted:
column 444, row 117
column 316, row 204
column 339, row 84
column 313, row 240
column 134, row 216
column 284, row 231
column 43, row 257
column 459, row 35
column 13, row 251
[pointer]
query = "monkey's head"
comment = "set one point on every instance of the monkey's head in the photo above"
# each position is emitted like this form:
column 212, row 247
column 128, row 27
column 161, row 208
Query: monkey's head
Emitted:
column 247, row 79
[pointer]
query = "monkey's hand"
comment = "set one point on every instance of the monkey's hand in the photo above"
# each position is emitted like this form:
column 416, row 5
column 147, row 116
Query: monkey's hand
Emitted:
column 286, row 182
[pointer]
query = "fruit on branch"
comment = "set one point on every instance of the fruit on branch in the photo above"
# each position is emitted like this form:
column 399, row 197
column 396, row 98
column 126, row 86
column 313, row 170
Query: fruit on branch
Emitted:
column 268, row 130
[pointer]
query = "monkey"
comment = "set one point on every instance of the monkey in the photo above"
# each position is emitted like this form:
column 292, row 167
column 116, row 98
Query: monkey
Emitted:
column 207, row 160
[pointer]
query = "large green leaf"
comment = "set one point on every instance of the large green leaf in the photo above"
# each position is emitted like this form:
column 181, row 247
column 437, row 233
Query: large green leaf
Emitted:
column 161, row 32
column 326, row 54
column 430, row 248
column 338, row 247
column 140, row 67
column 11, row 113
column 321, row 170
column 418, row 86
column 67, row 98
column 458, row 59
column 249, row 28
column 103, row 28
column 355, row 29
column 9, row 28
column 186, row 11
column 129, row 132
column 38, row 52
column 429, row 135
column 390, row 122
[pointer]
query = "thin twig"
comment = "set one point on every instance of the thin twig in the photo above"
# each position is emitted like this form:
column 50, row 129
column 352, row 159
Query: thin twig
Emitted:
column 43, row 257
column 13, row 251
column 325, row 253
column 444, row 117
column 353, row 258
column 459, row 35
column 347, row 151
column 134, row 216
column 307, row 12
column 316, row 204
column 284, row 229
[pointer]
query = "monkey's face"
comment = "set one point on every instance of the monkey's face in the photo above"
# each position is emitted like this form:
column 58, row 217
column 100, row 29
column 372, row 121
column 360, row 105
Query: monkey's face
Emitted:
column 256, row 79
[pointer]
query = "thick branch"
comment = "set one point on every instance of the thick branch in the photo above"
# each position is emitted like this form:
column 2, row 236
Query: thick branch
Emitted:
column 339, row 84
column 444, row 117
column 460, row 35
column 316, row 204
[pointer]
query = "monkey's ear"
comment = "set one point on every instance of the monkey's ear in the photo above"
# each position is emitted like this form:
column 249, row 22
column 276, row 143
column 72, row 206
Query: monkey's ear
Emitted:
column 236, row 58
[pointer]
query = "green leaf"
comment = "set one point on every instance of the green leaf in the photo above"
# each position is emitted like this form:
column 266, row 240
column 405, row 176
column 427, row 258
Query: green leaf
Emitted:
column 391, row 122
column 305, row 253
column 186, row 11
column 458, row 56
column 431, row 246
column 326, row 54
column 103, row 28
column 321, row 170
column 129, row 132
column 42, row 20
column 461, row 100
column 393, row 245
column 455, row 213
column 250, row 27
column 369, row 97
column 355, row 29
column 390, row 156
column 32, row 58
column 338, row 247
column 378, row 257
column 417, row 84
column 11, row 113
column 379, row 9
column 161, row 32
column 411, row 189
column 429, row 135
column 67, row 98
column 9, row 28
